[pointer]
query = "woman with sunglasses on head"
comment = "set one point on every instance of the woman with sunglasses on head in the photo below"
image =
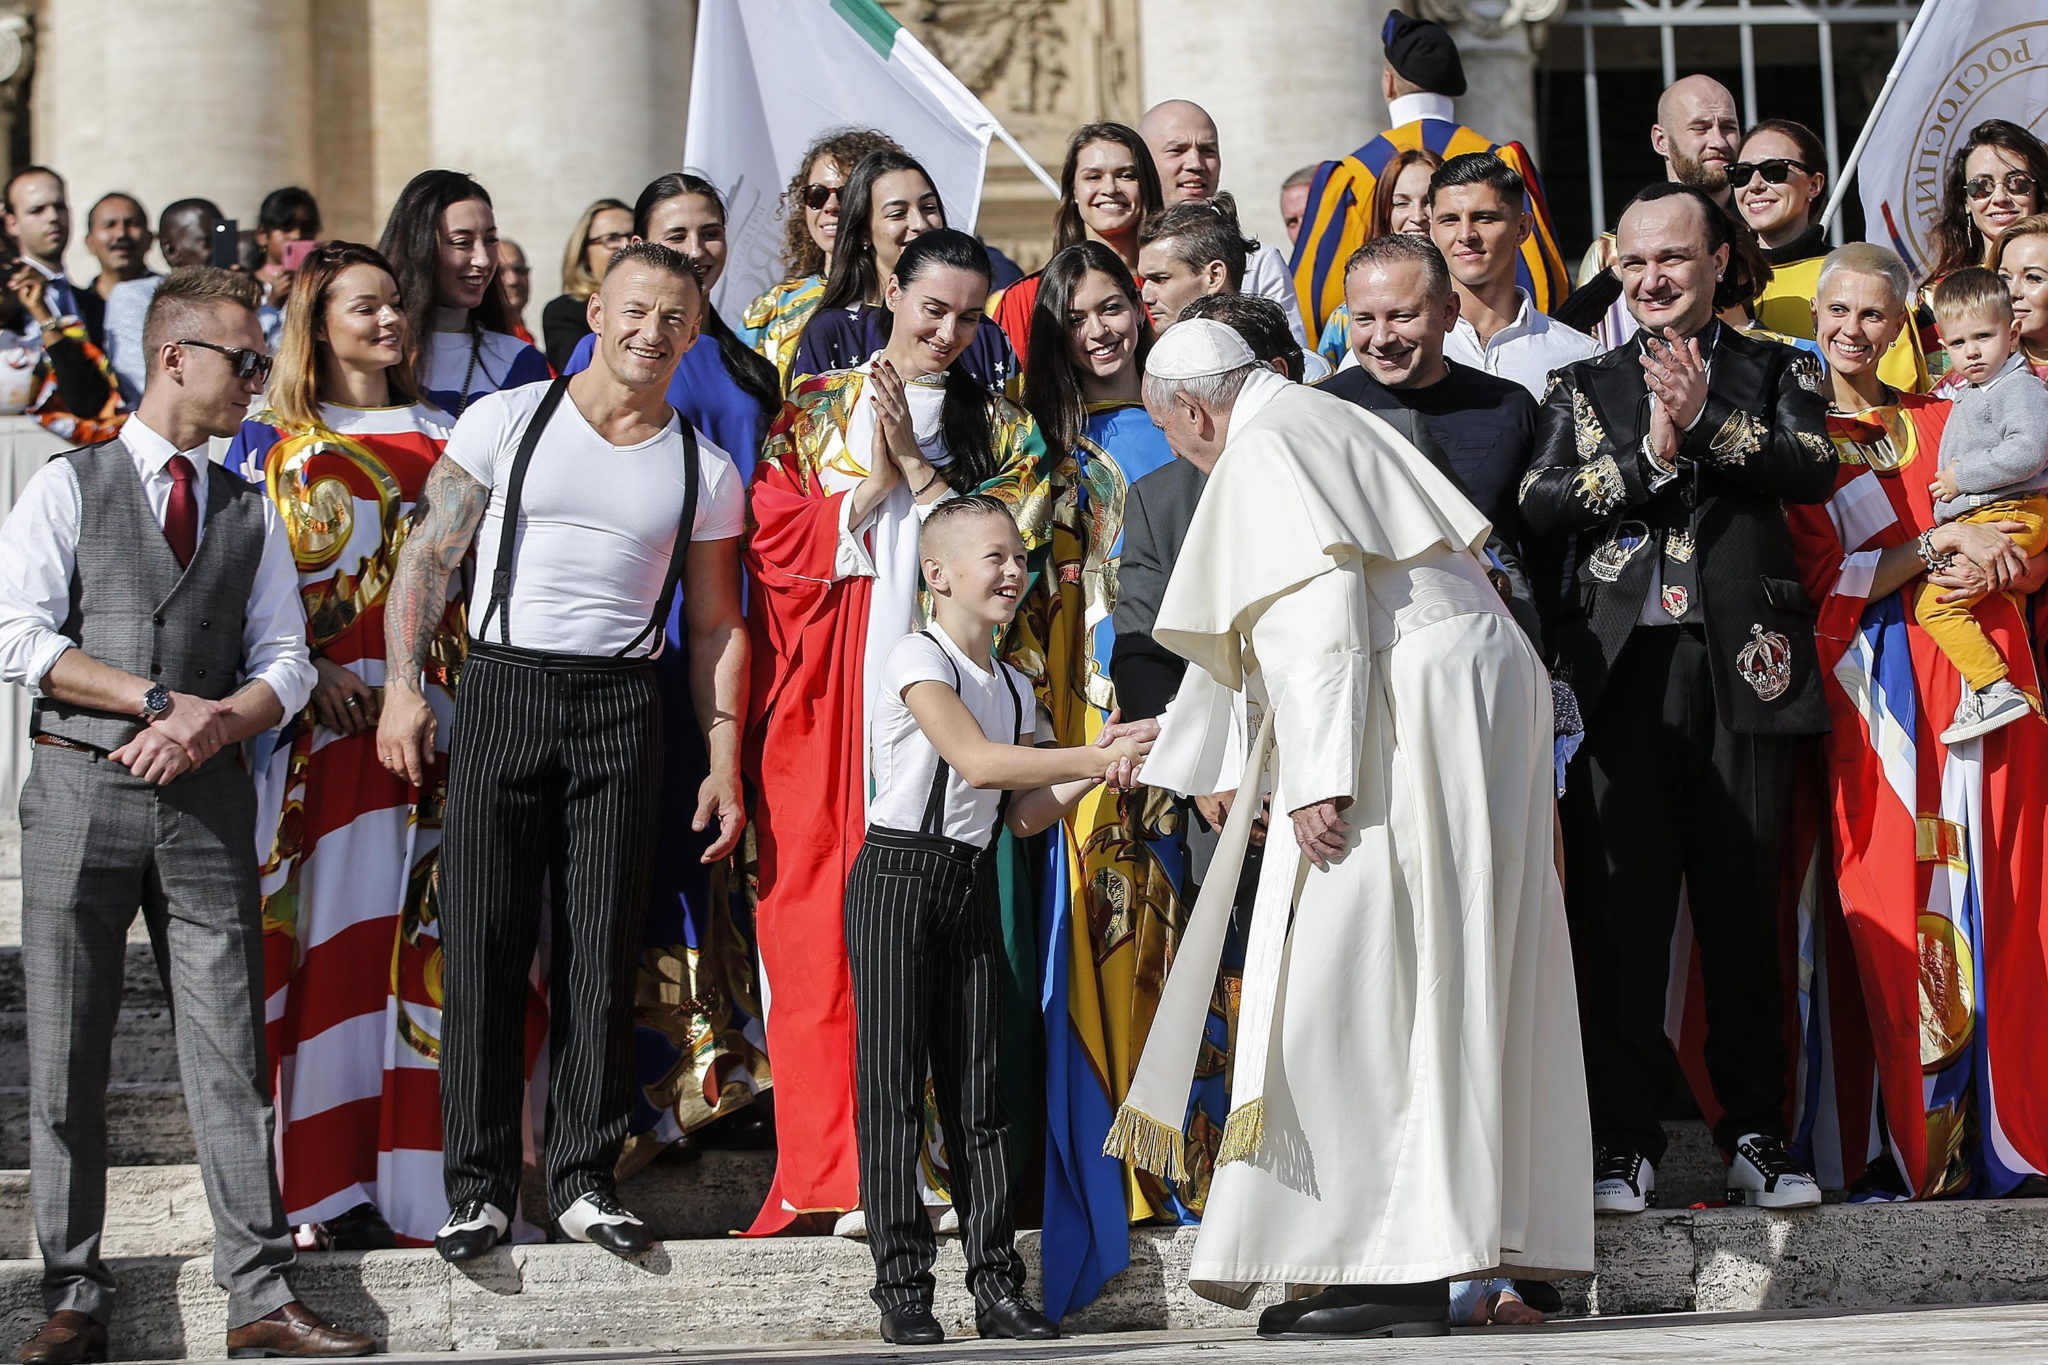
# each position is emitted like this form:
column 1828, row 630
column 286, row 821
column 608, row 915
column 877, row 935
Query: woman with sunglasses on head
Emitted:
column 1779, row 180
column 1108, row 186
column 601, row 229
column 442, row 243
column 702, row 1055
column 347, row 851
column 889, row 203
column 1993, row 180
column 810, row 207
column 851, row 467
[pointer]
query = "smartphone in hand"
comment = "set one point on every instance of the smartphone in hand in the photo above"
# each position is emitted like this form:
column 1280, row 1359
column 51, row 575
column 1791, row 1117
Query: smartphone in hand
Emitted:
column 227, row 244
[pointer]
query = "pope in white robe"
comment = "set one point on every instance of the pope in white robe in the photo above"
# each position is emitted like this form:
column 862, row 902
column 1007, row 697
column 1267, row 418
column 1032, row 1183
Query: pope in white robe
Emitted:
column 1408, row 1104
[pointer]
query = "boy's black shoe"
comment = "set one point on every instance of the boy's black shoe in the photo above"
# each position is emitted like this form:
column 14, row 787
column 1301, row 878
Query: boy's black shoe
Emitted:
column 1015, row 1319
column 911, row 1325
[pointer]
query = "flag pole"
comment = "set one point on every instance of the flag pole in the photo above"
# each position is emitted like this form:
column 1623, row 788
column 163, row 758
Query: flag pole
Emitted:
column 1884, row 94
column 1030, row 161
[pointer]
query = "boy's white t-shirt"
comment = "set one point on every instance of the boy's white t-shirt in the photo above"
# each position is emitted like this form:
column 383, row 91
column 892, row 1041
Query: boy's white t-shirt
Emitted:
column 902, row 761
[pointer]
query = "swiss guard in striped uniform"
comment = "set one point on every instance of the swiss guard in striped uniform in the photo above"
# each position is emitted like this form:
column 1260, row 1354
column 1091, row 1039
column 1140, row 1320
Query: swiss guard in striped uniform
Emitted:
column 1422, row 76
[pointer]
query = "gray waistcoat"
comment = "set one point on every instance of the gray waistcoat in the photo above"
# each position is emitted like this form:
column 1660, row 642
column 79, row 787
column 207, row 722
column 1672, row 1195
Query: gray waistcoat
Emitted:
column 133, row 608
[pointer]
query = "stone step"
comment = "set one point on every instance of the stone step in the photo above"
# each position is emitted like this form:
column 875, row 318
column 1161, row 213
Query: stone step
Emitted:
column 141, row 987
column 161, row 1210
column 146, row 1126
column 703, row 1293
column 145, row 1049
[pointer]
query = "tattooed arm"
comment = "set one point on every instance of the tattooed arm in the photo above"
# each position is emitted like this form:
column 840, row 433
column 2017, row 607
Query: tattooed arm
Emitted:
column 450, row 509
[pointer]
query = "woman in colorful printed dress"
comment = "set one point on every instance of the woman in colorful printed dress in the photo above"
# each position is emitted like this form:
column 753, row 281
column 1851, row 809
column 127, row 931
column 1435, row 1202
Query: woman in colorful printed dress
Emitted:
column 697, row 1033
column 889, row 202
column 1109, row 888
column 352, row 957
column 772, row 323
column 837, row 499
column 1108, row 186
column 442, row 242
column 1934, row 853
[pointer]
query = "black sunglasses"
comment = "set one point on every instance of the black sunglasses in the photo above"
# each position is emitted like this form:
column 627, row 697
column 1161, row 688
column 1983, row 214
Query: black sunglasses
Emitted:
column 1775, row 171
column 2017, row 184
column 248, row 364
column 817, row 196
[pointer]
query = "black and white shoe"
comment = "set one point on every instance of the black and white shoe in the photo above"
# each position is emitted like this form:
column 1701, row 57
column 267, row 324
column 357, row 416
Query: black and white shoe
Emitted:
column 600, row 1219
column 474, row 1226
column 1763, row 1175
column 1623, row 1182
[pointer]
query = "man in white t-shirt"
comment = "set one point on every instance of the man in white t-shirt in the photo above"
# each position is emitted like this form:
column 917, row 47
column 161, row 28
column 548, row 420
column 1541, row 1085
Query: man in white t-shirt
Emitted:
column 588, row 500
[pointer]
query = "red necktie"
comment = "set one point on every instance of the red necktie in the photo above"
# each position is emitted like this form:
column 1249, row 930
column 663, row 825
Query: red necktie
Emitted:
column 181, row 517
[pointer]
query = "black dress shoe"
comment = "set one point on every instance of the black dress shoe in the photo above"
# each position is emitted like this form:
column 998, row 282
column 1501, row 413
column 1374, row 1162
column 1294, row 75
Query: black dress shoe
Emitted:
column 1015, row 1319
column 601, row 1220
column 474, row 1226
column 911, row 1325
column 1378, row 1310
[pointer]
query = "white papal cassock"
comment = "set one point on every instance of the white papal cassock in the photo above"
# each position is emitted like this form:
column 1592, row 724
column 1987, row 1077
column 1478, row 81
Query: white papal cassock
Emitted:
column 1408, row 1101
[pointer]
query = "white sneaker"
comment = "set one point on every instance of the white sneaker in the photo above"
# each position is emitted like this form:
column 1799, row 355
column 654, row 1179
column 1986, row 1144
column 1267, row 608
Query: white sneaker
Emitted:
column 1979, row 713
column 1763, row 1175
column 852, row 1225
column 1623, row 1182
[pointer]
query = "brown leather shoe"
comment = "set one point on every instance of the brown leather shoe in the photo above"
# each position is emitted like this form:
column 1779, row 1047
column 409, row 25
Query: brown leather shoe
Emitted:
column 68, row 1336
column 295, row 1330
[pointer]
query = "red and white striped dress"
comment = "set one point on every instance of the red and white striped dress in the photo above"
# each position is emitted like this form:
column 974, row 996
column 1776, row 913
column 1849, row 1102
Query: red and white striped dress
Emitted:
column 352, row 958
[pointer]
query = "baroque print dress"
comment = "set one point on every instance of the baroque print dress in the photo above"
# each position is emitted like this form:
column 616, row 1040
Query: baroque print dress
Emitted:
column 352, row 958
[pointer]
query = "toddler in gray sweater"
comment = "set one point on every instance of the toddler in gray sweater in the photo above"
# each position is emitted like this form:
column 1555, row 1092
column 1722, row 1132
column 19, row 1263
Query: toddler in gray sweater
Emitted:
column 1994, row 468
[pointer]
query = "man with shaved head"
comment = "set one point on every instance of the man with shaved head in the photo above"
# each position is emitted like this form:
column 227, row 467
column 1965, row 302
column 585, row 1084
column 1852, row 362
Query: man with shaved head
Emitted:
column 1184, row 146
column 1696, row 133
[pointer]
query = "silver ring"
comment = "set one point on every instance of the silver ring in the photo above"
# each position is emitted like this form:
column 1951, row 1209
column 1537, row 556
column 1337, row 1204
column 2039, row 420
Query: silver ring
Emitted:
column 355, row 701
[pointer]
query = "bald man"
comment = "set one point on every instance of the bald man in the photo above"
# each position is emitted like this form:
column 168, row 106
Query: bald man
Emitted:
column 1696, row 133
column 1188, row 154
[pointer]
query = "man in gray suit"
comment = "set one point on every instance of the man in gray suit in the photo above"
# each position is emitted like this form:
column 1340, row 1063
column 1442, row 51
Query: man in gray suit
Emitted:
column 150, row 599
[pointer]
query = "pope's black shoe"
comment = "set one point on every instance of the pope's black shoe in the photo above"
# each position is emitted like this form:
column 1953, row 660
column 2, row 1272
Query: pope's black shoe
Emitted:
column 911, row 1325
column 1015, row 1319
column 474, row 1226
column 1362, row 1310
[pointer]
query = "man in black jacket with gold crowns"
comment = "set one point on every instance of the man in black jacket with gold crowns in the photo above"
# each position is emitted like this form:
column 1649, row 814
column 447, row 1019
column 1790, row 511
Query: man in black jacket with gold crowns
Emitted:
column 1689, row 641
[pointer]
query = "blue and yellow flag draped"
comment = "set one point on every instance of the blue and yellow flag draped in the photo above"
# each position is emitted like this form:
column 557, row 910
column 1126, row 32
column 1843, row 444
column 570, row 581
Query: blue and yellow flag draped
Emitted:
column 1340, row 200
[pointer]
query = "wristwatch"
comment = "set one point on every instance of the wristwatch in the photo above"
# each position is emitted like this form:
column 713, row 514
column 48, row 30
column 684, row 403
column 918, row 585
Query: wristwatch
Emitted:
column 156, row 703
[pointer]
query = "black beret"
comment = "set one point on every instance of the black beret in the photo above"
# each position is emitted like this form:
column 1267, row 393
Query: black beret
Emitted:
column 1422, row 51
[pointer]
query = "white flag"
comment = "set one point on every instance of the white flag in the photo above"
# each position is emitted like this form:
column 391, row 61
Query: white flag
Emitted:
column 1967, row 61
column 770, row 75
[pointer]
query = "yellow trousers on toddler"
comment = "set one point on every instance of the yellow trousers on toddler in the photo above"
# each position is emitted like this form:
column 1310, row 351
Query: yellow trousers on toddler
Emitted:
column 1954, row 624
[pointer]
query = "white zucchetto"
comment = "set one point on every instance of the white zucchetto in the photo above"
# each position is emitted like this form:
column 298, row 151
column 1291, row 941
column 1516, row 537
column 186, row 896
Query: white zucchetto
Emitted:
column 1197, row 348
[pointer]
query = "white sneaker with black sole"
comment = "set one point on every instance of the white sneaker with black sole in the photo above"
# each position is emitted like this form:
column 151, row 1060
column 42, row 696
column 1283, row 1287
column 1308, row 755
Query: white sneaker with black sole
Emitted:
column 1763, row 1175
column 600, row 1219
column 1623, row 1182
column 1979, row 713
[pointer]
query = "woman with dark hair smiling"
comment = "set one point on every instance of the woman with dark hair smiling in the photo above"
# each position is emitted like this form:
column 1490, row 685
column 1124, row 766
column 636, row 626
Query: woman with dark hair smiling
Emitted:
column 772, row 323
column 849, row 468
column 1779, row 180
column 442, row 242
column 1108, row 186
column 889, row 202
column 1997, row 177
column 348, row 850
column 698, row 1060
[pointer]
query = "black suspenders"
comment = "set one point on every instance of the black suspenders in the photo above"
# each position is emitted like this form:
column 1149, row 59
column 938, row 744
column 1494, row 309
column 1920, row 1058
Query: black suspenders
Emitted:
column 515, row 483
column 934, row 821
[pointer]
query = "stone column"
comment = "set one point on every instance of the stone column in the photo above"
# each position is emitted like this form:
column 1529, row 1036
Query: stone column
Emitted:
column 1498, row 41
column 174, row 98
column 553, row 103
column 1287, row 84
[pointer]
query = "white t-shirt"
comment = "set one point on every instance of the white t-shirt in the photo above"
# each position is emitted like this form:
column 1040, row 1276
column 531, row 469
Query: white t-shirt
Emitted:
column 597, row 522
column 903, row 761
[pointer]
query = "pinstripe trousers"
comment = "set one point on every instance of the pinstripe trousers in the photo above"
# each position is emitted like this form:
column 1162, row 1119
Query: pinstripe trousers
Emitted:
column 553, row 780
column 921, row 940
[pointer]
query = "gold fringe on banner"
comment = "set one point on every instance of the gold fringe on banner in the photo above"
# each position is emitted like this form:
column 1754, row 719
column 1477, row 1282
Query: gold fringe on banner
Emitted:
column 1147, row 1143
column 1243, row 1132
